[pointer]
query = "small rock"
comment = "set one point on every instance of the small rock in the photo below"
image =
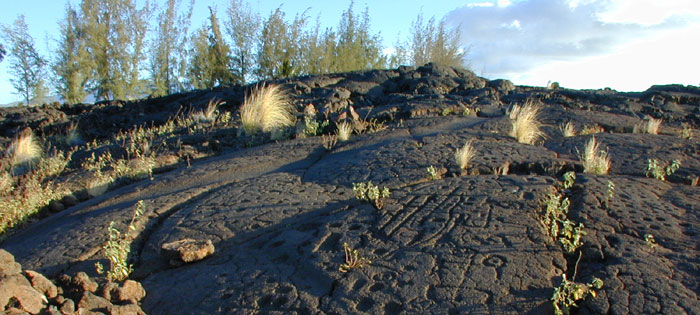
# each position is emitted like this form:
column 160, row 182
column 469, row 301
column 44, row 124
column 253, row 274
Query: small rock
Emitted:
column 8, row 266
column 91, row 302
column 68, row 307
column 83, row 281
column 131, row 291
column 52, row 310
column 41, row 284
column 56, row 206
column 188, row 250
column 82, row 195
column 129, row 309
column 70, row 200
column 504, row 86
column 110, row 289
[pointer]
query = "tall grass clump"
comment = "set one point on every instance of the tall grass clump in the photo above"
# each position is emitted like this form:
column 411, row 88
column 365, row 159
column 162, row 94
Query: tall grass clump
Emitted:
column 267, row 109
column 465, row 154
column 595, row 160
column 344, row 131
column 568, row 129
column 525, row 126
column 24, row 151
column 210, row 113
column 651, row 126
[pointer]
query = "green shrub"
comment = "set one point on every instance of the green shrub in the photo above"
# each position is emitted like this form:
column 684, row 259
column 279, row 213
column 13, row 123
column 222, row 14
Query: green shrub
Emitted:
column 659, row 169
column 371, row 193
column 568, row 293
column 118, row 247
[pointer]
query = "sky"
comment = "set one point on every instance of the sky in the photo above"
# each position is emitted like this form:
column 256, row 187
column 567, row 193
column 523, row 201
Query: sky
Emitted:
column 627, row 45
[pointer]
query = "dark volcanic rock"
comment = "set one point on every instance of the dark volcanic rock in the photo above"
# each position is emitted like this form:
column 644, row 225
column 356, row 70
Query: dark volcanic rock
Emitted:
column 471, row 241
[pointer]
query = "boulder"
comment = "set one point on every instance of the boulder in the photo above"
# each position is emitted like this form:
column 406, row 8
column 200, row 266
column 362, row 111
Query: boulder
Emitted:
column 18, row 288
column 187, row 250
column 131, row 291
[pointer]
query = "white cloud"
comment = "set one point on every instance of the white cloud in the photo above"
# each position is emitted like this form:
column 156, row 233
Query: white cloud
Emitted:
column 527, row 39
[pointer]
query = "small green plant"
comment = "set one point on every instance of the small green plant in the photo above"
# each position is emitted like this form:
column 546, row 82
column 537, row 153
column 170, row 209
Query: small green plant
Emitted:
column 687, row 131
column 558, row 225
column 352, row 259
column 432, row 171
column 610, row 193
column 568, row 293
column 660, row 170
column 371, row 193
column 650, row 240
column 446, row 111
column 118, row 247
column 569, row 178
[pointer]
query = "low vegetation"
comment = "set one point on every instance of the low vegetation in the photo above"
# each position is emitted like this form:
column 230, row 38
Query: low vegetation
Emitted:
column 353, row 259
column 595, row 160
column 568, row 293
column 118, row 247
column 525, row 124
column 433, row 172
column 27, row 180
column 371, row 193
column 558, row 224
column 660, row 169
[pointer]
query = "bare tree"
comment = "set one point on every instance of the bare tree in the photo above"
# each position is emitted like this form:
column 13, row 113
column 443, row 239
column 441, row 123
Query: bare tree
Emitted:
column 26, row 65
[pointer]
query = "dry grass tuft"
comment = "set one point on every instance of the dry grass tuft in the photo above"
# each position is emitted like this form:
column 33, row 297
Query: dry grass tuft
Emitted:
column 568, row 129
column 595, row 161
column 465, row 154
column 266, row 109
column 24, row 150
column 651, row 126
column 526, row 127
column 345, row 131
column 210, row 113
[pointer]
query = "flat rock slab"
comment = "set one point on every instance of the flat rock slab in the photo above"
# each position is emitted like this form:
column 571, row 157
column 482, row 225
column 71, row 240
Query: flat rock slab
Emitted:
column 462, row 244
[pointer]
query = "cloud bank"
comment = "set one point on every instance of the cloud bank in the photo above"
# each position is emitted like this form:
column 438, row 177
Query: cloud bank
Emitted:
column 510, row 38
